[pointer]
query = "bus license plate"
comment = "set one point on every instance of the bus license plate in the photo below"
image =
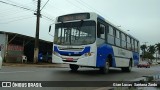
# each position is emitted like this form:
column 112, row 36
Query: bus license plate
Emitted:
column 69, row 59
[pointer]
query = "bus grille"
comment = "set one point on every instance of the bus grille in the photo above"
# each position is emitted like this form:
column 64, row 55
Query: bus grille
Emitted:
column 69, row 61
column 71, row 54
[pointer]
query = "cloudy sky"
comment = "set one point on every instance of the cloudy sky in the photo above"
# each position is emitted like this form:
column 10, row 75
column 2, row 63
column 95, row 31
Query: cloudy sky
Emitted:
column 140, row 17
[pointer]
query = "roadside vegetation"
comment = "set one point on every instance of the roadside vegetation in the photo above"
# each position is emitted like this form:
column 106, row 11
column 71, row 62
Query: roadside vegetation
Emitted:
column 150, row 52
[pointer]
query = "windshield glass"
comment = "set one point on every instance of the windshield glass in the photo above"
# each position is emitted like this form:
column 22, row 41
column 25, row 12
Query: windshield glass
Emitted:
column 75, row 33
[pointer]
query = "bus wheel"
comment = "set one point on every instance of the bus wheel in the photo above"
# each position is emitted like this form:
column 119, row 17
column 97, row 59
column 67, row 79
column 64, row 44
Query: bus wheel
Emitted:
column 127, row 69
column 73, row 67
column 105, row 69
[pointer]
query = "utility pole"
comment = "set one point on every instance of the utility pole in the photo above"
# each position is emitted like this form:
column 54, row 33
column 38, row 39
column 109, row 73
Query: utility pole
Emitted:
column 36, row 48
column 145, row 43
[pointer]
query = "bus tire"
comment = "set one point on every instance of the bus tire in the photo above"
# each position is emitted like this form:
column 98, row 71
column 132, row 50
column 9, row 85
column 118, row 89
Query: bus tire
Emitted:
column 73, row 67
column 127, row 69
column 105, row 69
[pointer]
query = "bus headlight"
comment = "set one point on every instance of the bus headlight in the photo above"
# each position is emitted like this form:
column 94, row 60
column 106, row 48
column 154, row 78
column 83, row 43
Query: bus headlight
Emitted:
column 88, row 54
column 55, row 53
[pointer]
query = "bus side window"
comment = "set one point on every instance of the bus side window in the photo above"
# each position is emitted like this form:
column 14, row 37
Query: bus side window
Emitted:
column 123, row 40
column 128, row 43
column 117, row 37
column 100, row 31
column 133, row 46
column 111, row 35
column 136, row 46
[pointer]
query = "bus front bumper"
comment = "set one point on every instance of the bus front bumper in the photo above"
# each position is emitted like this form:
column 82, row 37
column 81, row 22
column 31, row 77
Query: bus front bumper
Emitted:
column 81, row 60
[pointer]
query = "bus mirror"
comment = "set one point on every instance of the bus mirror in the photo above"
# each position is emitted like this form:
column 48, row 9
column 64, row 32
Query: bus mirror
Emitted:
column 49, row 28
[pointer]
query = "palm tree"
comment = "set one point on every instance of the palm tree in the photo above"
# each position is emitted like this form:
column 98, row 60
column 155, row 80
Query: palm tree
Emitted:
column 151, row 50
column 158, row 48
column 143, row 48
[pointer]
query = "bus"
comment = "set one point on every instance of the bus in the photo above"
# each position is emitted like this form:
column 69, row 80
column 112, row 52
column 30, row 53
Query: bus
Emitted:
column 88, row 40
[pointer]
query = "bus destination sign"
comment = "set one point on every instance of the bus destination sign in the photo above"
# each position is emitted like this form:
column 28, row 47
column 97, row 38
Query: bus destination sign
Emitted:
column 70, row 17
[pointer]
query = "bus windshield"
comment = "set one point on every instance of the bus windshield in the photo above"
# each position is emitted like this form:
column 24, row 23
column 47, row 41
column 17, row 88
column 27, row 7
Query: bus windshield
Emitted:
column 75, row 33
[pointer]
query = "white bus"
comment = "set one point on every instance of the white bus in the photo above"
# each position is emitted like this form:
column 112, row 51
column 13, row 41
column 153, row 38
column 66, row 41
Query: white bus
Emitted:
column 87, row 39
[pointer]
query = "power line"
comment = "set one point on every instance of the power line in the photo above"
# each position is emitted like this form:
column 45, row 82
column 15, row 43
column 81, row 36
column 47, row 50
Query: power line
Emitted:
column 8, row 14
column 48, row 15
column 88, row 6
column 8, row 9
column 74, row 5
column 16, row 6
column 17, row 20
column 24, row 9
column 20, row 4
column 48, row 18
column 14, row 17
column 83, row 4
column 44, row 5
column 52, row 6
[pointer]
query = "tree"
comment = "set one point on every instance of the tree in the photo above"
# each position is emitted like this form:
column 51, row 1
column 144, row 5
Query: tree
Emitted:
column 143, row 48
column 149, row 56
column 158, row 48
column 151, row 50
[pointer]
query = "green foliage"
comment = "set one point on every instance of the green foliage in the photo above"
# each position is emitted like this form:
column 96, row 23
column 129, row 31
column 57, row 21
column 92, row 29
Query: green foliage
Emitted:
column 149, row 51
column 148, row 55
column 143, row 47
column 158, row 47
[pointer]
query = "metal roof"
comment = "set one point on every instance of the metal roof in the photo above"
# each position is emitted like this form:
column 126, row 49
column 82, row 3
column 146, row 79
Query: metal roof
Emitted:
column 23, row 36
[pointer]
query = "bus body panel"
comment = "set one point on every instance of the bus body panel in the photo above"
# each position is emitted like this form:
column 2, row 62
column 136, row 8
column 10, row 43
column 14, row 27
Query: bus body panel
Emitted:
column 63, row 56
column 70, row 53
column 136, row 58
column 122, row 56
column 102, row 53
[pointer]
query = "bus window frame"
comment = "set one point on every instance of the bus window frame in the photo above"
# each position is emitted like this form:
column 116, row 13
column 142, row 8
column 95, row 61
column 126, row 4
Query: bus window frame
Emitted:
column 107, row 25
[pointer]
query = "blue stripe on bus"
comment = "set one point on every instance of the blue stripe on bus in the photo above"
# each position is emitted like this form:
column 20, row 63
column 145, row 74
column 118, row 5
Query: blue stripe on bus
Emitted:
column 102, row 53
column 136, row 58
column 86, row 50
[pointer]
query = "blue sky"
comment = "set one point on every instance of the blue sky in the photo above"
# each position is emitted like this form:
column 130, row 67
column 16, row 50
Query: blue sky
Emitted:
column 140, row 17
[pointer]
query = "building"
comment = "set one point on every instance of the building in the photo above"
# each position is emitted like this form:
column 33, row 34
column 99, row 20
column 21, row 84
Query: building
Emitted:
column 15, row 45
